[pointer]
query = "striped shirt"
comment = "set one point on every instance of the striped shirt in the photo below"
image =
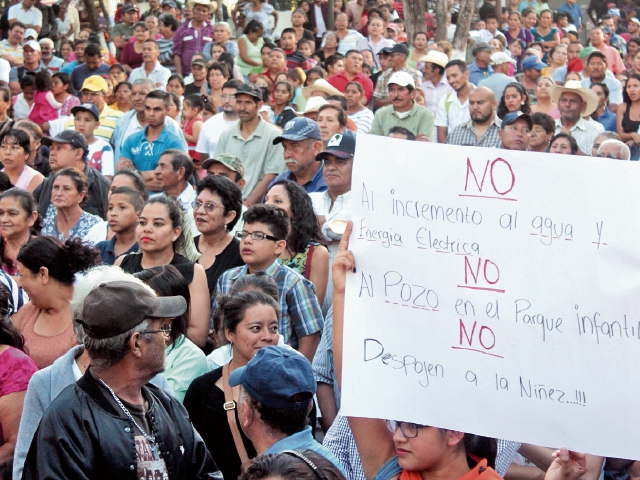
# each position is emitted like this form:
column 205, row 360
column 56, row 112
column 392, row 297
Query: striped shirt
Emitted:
column 363, row 120
column 7, row 49
column 300, row 314
column 108, row 119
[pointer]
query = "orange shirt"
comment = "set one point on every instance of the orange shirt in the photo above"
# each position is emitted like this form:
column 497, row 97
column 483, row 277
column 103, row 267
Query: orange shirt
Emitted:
column 480, row 472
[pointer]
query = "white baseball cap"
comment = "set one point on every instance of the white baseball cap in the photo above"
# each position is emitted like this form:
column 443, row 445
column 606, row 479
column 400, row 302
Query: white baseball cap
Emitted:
column 30, row 32
column 499, row 58
column 403, row 79
column 33, row 44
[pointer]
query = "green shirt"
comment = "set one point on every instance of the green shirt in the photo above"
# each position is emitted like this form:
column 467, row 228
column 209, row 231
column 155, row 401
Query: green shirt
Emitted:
column 121, row 30
column 420, row 120
column 183, row 364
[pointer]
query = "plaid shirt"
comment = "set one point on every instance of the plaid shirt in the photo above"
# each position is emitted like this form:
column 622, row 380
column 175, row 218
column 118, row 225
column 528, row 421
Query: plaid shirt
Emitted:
column 465, row 135
column 187, row 41
column 382, row 86
column 300, row 314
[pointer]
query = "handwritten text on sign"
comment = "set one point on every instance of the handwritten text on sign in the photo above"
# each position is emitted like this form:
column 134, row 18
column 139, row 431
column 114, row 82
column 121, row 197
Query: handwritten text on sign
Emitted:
column 496, row 293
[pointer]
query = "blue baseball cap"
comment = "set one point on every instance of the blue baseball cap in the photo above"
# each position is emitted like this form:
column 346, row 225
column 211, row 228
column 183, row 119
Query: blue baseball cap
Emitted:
column 533, row 62
column 509, row 118
column 87, row 107
column 300, row 128
column 275, row 375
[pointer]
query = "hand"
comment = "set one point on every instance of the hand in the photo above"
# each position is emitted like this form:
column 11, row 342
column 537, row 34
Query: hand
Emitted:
column 344, row 261
column 124, row 163
column 567, row 465
column 422, row 137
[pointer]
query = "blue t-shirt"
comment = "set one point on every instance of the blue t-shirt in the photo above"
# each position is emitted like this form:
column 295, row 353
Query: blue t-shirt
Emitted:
column 82, row 72
column 608, row 120
column 68, row 68
column 145, row 155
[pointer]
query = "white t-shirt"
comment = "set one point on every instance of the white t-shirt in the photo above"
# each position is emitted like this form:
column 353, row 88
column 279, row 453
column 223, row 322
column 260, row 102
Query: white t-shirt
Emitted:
column 210, row 133
column 33, row 16
column 101, row 157
column 320, row 25
column 5, row 66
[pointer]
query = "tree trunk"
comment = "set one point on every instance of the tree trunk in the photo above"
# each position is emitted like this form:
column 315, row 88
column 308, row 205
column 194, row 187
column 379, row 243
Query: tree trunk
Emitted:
column 93, row 19
column 441, row 20
column 332, row 17
column 105, row 13
column 462, row 29
column 414, row 17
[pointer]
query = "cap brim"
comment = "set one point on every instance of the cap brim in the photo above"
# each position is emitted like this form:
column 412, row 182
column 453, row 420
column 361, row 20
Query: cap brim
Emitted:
column 336, row 153
column 169, row 307
column 47, row 141
column 293, row 138
column 235, row 378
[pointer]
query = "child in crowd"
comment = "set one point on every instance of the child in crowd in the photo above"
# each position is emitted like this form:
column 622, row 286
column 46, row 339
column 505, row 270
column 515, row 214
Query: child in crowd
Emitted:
column 265, row 110
column 282, row 96
column 45, row 107
column 210, row 107
column 175, row 84
column 515, row 49
column 86, row 119
column 402, row 35
column 192, row 118
column 125, row 205
column 297, row 77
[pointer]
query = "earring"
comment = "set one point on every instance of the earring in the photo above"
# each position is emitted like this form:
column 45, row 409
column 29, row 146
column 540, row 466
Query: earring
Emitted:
column 522, row 103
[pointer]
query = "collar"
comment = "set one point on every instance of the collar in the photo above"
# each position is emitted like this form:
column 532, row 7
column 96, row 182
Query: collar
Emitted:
column 244, row 270
column 256, row 133
column 160, row 137
column 496, row 121
column 412, row 112
column 204, row 24
column 580, row 125
column 293, row 442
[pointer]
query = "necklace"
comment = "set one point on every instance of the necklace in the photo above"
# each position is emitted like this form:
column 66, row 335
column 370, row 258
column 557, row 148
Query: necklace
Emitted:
column 150, row 438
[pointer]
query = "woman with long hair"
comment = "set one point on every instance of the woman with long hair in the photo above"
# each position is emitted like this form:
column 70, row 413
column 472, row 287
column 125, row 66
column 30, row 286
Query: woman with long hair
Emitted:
column 160, row 237
column 628, row 115
column 304, row 253
column 516, row 31
column 19, row 223
column 328, row 47
column 418, row 50
column 184, row 361
column 217, row 75
column 14, row 153
column 250, row 49
column 514, row 98
column 47, row 269
column 556, row 58
column 544, row 104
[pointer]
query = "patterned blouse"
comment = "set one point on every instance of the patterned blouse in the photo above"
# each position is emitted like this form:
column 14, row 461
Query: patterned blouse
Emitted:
column 299, row 262
column 79, row 230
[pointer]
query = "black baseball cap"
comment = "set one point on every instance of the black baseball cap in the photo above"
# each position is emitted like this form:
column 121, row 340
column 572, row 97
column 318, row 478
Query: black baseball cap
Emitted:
column 251, row 90
column 341, row 145
column 68, row 136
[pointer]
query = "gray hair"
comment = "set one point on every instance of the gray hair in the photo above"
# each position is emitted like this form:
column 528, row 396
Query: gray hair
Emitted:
column 226, row 26
column 624, row 149
column 106, row 352
column 145, row 81
column 90, row 280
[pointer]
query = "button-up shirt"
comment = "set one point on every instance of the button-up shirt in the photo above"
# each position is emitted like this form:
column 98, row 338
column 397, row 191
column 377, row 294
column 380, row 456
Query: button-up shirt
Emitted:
column 433, row 93
column 465, row 135
column 187, row 41
column 477, row 74
column 451, row 112
column 159, row 75
column 340, row 81
column 382, row 85
column 584, row 132
column 108, row 253
column 615, row 88
column 300, row 314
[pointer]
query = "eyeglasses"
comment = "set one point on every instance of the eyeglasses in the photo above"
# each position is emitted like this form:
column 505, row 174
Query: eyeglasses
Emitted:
column 164, row 330
column 409, row 430
column 208, row 206
column 255, row 236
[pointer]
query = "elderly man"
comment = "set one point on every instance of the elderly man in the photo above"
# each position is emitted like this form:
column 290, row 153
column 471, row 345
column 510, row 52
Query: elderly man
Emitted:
column 614, row 149
column 11, row 47
column 276, row 395
column 481, row 69
column 92, row 65
column 435, row 84
column 484, row 127
column 150, row 433
column 27, row 14
column 403, row 111
column 501, row 63
column 397, row 63
column 352, row 73
column 32, row 64
column 49, row 60
column 576, row 102
column 173, row 172
column 515, row 133
column 596, row 71
column 151, row 67
column 302, row 141
column 193, row 35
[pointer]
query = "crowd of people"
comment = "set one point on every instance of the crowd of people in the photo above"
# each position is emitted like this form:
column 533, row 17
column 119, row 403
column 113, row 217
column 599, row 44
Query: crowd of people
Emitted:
column 175, row 203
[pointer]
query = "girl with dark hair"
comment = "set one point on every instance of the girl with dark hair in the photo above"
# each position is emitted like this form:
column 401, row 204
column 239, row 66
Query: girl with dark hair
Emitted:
column 14, row 153
column 282, row 97
column 304, row 253
column 184, row 361
column 68, row 195
column 514, row 98
column 628, row 115
column 216, row 210
column 45, row 106
column 292, row 465
column 47, row 269
column 160, row 237
column 122, row 97
column 217, row 74
column 250, row 322
column 16, row 369
column 19, row 223
column 564, row 144
column 63, row 93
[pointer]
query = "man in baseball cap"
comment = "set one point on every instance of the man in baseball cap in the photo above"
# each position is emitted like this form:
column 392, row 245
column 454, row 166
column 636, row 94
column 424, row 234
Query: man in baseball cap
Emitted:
column 516, row 131
column 403, row 111
column 397, row 63
column 275, row 400
column 31, row 52
column 481, row 68
column 199, row 74
column 501, row 63
column 301, row 140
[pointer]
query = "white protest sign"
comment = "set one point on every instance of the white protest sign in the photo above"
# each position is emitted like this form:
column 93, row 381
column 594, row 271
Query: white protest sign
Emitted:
column 496, row 293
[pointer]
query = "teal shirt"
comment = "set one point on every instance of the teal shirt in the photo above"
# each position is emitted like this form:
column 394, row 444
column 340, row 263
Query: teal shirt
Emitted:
column 144, row 154
column 420, row 120
column 183, row 364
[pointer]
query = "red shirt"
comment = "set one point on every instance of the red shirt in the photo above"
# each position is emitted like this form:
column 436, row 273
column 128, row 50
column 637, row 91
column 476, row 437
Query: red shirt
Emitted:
column 340, row 81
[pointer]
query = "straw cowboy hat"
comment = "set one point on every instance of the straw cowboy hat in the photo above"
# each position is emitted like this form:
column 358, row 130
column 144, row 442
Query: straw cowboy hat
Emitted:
column 436, row 57
column 321, row 85
column 212, row 6
column 313, row 105
column 575, row 86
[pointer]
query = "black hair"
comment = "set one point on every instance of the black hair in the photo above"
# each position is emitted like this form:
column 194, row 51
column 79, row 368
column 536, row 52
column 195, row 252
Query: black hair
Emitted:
column 160, row 95
column 502, row 106
column 5, row 184
column 169, row 20
column 260, row 280
column 604, row 87
column 141, row 25
column 253, row 26
column 273, row 217
column 232, row 83
column 625, row 96
column 570, row 139
column 194, row 101
column 223, row 68
column 457, row 63
column 177, row 77
column 342, row 115
column 233, row 307
column 229, row 193
column 268, row 45
column 120, row 85
column 331, row 60
column 167, row 281
column 358, row 86
column 287, row 421
column 545, row 121
column 79, row 180
column 175, row 100
column 304, row 227
column 6, row 94
column 137, row 180
column 289, row 466
column 317, row 70
column 134, row 196
column 180, row 159
column 17, row 137
column 92, row 50
column 490, row 16
column 43, row 81
column 62, row 260
column 17, row 24
column 227, row 59
column 402, row 131
column 28, row 80
column 174, row 212
column 340, row 99
column 481, row 447
column 288, row 30
column 266, row 94
column 9, row 334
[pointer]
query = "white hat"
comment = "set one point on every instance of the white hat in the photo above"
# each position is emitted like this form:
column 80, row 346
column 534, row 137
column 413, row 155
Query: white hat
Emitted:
column 313, row 105
column 499, row 58
column 575, row 86
column 33, row 44
column 30, row 32
column 402, row 78
column 320, row 85
column 434, row 56
column 213, row 6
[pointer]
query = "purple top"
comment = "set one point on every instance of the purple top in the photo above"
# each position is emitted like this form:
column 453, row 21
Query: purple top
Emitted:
column 524, row 36
column 187, row 41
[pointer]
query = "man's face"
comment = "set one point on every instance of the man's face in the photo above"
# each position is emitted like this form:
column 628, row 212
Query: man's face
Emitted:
column 94, row 98
column 247, row 107
column 277, row 61
column 573, row 51
column 130, row 17
column 62, row 155
column 337, row 172
column 166, row 176
column 16, row 34
column 79, row 51
column 597, row 68
column 200, row 13
column 608, row 22
column 571, row 106
column 480, row 106
column 27, row 4
column 228, row 98
column 150, row 52
column 533, row 74
column 299, row 155
column 288, row 41
column 199, row 73
column 46, row 52
column 153, row 4
column 94, row 62
column 539, row 138
column 221, row 170
column 632, row 27
column 154, row 111
column 516, row 136
column 456, row 79
column 353, row 63
column 596, row 37
column 398, row 60
column 483, row 57
column 138, row 94
column 329, row 124
column 401, row 97
column 168, row 9
column 31, row 56
column 492, row 25
column 385, row 61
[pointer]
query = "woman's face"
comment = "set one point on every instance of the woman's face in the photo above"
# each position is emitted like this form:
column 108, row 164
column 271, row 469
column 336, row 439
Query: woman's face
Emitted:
column 14, row 220
column 31, row 283
column 331, row 41
column 600, row 93
column 311, row 78
column 216, row 80
column 633, row 89
column 266, row 54
column 140, row 34
column 65, row 194
column 337, row 67
column 337, row 5
column 216, row 51
column 420, row 42
column 353, row 97
column 281, row 95
column 124, row 94
column 559, row 57
column 57, row 87
column 304, row 6
column 118, row 75
column 512, row 99
column 174, row 86
column 109, row 87
column 257, row 329
column 297, row 19
column 154, row 232
column 530, row 20
column 342, row 22
column 561, row 145
column 65, row 51
column 121, row 181
column 279, row 197
column 213, row 221
column 545, row 20
column 516, row 49
column 514, row 22
column 542, row 90
column 632, row 49
column 13, row 156
column 423, row 451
